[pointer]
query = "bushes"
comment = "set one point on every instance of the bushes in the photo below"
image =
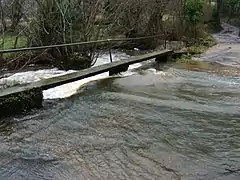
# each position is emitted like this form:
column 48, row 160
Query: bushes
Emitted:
column 197, row 46
column 63, row 21
column 184, row 58
column 60, row 22
column 193, row 11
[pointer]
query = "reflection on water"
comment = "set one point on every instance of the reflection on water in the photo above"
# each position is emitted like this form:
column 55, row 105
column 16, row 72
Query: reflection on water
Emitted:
column 177, row 124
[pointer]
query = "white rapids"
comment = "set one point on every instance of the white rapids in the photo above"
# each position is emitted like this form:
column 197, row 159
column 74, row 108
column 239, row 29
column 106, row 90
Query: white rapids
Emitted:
column 69, row 89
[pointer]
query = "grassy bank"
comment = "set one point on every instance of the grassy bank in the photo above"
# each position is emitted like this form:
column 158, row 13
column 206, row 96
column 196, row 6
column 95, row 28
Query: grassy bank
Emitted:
column 196, row 47
column 12, row 41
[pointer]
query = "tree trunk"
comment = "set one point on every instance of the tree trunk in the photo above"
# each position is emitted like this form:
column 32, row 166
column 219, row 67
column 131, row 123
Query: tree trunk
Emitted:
column 218, row 11
column 17, row 13
column 3, row 22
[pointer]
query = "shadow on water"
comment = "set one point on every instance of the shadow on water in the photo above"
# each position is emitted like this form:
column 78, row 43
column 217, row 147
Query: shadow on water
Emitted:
column 6, row 127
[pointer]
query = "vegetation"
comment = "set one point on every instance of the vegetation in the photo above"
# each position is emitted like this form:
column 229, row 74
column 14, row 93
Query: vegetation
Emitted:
column 231, row 9
column 12, row 42
column 26, row 23
column 46, row 22
column 184, row 58
column 197, row 46
column 193, row 13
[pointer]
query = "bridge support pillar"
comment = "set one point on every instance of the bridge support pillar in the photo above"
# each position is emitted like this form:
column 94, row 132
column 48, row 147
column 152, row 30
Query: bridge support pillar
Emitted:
column 164, row 59
column 161, row 60
column 118, row 69
column 20, row 102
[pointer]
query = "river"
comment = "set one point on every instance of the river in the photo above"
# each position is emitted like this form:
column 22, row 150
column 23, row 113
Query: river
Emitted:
column 179, row 123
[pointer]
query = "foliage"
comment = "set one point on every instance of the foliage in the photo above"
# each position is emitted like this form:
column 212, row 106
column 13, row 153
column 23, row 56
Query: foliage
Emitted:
column 138, row 17
column 196, row 49
column 197, row 46
column 193, row 11
column 207, row 40
column 200, row 44
column 231, row 8
column 48, row 22
column 48, row 26
column 64, row 21
column 184, row 58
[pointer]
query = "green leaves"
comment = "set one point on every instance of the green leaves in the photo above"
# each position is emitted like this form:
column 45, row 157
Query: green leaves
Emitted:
column 193, row 11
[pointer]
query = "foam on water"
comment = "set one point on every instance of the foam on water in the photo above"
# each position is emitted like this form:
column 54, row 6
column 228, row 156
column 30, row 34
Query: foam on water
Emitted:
column 69, row 89
column 229, row 34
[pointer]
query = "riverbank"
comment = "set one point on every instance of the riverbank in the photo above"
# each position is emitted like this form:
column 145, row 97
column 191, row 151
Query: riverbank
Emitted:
column 221, row 59
column 196, row 47
column 175, row 123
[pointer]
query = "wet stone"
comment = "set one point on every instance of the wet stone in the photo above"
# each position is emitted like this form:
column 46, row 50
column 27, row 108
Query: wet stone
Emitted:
column 20, row 102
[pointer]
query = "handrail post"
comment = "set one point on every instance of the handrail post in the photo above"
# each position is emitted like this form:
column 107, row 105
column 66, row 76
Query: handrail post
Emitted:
column 1, row 60
column 110, row 52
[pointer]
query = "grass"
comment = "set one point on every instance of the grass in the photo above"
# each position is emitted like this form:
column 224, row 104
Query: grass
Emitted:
column 8, row 42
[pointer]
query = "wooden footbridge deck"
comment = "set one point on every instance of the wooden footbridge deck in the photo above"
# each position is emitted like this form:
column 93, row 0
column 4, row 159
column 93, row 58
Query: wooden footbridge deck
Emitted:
column 113, row 68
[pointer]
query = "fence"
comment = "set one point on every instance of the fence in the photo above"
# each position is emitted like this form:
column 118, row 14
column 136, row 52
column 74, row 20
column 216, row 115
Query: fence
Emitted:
column 80, row 44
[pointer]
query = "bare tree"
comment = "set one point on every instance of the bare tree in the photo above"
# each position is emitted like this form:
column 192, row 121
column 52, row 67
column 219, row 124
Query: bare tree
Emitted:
column 16, row 13
column 2, row 16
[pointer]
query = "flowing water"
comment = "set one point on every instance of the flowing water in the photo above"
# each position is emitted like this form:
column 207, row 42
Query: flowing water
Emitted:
column 179, row 123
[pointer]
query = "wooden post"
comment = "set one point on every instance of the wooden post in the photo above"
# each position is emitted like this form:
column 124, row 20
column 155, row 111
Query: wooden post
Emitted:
column 110, row 54
column 1, row 60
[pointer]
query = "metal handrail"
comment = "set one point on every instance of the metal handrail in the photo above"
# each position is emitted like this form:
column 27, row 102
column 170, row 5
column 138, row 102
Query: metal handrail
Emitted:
column 76, row 43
